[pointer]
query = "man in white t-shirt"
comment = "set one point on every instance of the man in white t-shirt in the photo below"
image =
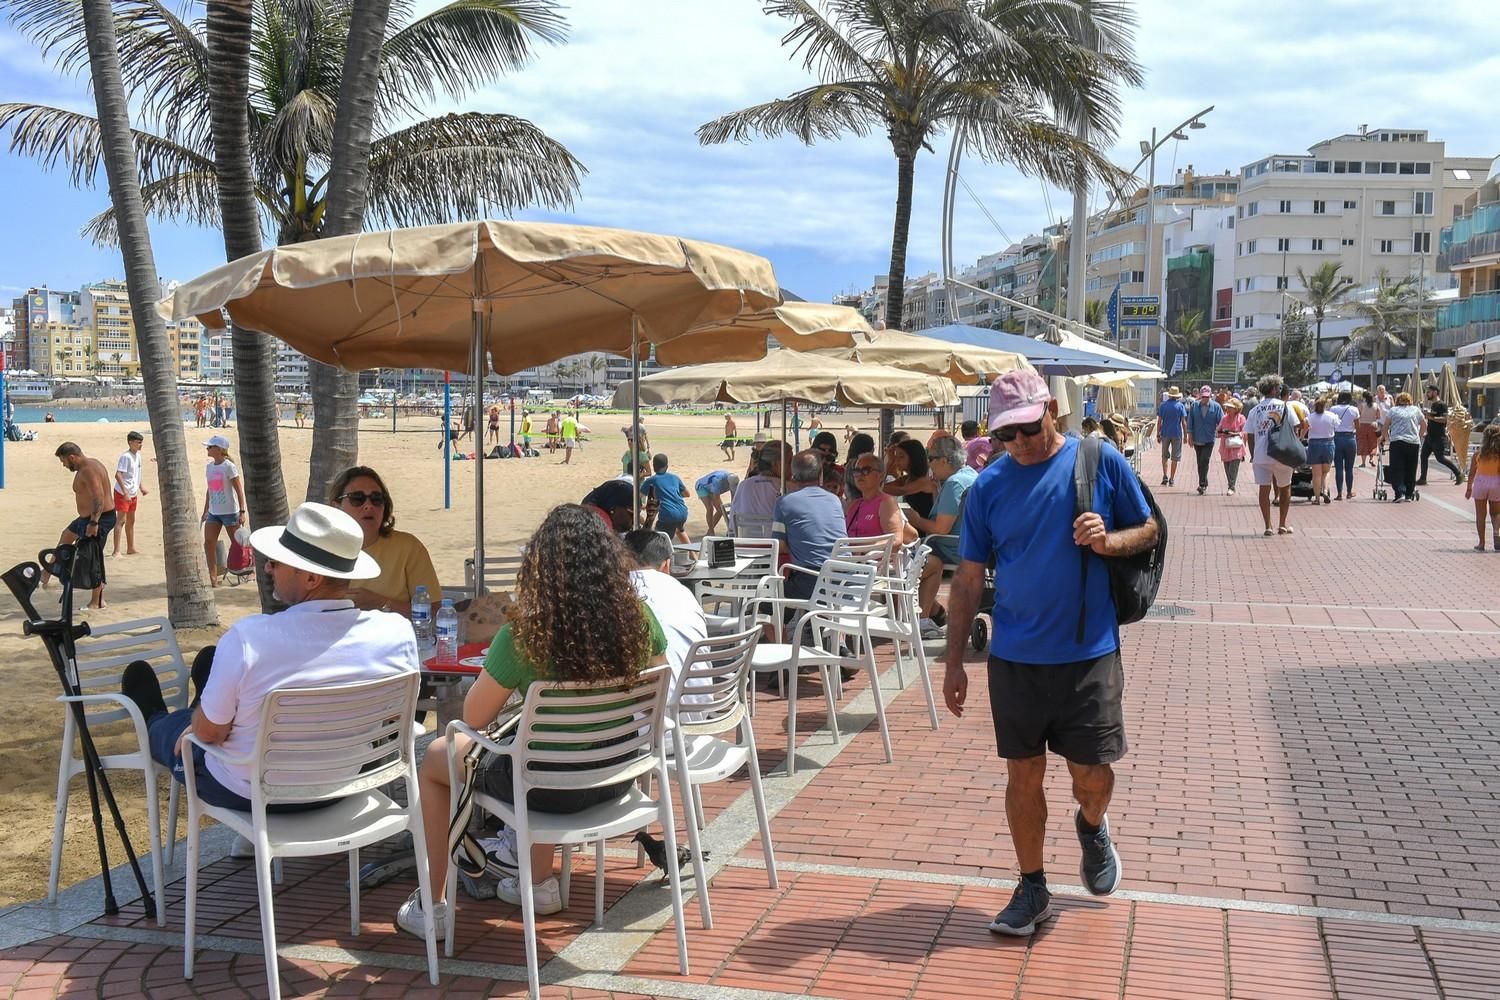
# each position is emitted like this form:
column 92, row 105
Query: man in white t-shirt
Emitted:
column 128, row 490
column 1269, row 473
column 320, row 639
column 675, row 607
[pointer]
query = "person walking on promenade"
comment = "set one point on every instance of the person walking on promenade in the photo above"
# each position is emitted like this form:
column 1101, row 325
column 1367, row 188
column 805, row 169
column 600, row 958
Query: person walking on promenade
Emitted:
column 1484, row 485
column 1231, row 432
column 1344, row 445
column 1368, row 432
column 1403, row 430
column 1269, row 473
column 1321, row 427
column 128, row 490
column 1203, row 420
column 1055, row 677
column 1435, row 441
column 1171, row 422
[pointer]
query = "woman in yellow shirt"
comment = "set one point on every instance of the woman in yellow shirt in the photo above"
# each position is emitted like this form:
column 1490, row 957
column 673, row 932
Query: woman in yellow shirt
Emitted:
column 404, row 561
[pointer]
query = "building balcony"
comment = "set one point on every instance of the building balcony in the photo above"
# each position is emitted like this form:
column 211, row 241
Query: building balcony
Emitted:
column 1468, row 321
column 1474, row 235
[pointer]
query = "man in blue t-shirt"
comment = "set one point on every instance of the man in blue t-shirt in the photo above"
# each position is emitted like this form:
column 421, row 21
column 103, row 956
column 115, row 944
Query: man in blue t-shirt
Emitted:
column 1171, row 424
column 807, row 521
column 668, row 493
column 1055, row 678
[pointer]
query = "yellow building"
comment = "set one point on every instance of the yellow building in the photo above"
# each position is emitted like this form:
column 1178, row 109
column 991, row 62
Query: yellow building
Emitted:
column 69, row 349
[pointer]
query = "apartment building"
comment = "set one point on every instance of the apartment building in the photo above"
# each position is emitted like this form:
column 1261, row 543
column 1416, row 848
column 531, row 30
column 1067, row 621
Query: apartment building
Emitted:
column 1469, row 252
column 104, row 308
column 1199, row 249
column 994, row 272
column 1372, row 201
column 44, row 323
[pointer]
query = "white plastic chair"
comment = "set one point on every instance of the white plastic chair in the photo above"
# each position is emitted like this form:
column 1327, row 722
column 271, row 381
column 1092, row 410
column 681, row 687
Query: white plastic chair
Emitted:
column 499, row 573
column 102, row 658
column 718, row 670
column 839, row 608
column 338, row 744
column 549, row 751
column 902, row 626
column 735, row 590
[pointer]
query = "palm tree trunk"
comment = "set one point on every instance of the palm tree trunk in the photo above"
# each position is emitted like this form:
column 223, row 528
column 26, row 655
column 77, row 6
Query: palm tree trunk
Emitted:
column 895, row 282
column 335, row 392
column 190, row 602
column 228, row 24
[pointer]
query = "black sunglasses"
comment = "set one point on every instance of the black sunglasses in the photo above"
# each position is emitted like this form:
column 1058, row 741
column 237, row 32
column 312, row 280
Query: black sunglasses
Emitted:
column 361, row 498
column 1009, row 432
column 860, row 470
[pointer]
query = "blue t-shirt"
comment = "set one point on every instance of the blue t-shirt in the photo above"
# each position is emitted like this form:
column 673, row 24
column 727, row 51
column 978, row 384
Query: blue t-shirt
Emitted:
column 809, row 520
column 667, row 488
column 714, row 483
column 948, row 500
column 1169, row 418
column 1023, row 515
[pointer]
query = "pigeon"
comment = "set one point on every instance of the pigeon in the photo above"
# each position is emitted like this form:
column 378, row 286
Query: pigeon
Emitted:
column 657, row 852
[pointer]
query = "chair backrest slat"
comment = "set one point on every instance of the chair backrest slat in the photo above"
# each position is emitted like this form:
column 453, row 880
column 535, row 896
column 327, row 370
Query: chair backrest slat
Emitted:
column 875, row 549
column 622, row 739
column 710, row 695
column 103, row 654
column 328, row 742
column 844, row 586
column 499, row 572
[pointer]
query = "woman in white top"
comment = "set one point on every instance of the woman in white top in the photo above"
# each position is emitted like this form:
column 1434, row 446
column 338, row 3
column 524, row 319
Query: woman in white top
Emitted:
column 1321, row 426
column 1403, row 427
column 1344, row 445
column 223, row 502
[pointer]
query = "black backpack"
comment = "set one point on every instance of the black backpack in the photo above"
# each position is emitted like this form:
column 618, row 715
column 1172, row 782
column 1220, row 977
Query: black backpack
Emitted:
column 1133, row 580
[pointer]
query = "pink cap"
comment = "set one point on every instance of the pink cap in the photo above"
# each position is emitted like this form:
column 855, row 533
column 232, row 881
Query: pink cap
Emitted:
column 1205, row 392
column 1018, row 397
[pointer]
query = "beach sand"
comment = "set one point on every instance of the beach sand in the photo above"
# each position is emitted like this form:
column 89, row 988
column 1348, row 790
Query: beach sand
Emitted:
column 37, row 504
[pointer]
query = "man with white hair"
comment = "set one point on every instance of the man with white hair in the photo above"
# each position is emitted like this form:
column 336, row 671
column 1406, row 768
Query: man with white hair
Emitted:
column 320, row 639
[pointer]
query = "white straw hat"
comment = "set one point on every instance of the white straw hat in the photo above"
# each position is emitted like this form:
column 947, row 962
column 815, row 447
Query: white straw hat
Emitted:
column 318, row 539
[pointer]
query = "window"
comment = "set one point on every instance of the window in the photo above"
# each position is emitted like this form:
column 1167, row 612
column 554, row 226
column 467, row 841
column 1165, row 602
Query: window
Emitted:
column 1388, row 167
column 1407, row 167
column 1320, row 166
column 1386, row 208
column 1346, row 242
column 1240, row 211
column 1250, row 247
column 1421, row 243
column 1283, row 245
column 1424, row 168
column 1350, row 205
column 1372, row 166
column 1282, row 283
column 1285, row 208
column 1249, row 321
column 1421, row 203
column 1320, row 208
column 1340, row 167
column 1239, row 249
column 1254, row 210
column 1317, row 246
column 1385, row 246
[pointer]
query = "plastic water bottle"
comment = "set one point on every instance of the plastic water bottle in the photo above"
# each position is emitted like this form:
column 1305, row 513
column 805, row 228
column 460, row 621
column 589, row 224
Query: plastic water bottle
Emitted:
column 421, row 621
column 447, row 632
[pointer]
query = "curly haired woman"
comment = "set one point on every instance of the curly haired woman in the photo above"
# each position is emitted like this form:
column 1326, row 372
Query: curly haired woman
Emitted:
column 577, row 618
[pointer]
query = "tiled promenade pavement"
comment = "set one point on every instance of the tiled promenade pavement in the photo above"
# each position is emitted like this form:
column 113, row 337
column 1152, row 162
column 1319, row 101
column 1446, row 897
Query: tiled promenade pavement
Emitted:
column 1310, row 809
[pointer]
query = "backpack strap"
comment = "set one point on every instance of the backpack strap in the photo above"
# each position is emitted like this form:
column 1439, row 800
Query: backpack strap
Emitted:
column 1085, row 473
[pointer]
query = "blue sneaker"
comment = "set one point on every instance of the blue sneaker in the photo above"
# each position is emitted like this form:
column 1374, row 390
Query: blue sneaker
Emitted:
column 1100, row 868
column 1029, row 905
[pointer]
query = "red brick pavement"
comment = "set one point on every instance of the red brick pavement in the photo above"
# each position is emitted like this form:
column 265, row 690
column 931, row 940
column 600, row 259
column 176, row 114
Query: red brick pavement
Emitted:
column 1315, row 730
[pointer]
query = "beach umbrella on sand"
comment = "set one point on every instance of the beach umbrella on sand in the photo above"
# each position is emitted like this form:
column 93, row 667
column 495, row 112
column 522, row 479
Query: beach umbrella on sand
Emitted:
column 446, row 296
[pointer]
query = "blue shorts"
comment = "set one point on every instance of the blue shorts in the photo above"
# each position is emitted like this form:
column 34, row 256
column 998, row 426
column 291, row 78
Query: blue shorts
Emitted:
column 1320, row 451
column 670, row 527
column 227, row 520
column 79, row 525
column 164, row 729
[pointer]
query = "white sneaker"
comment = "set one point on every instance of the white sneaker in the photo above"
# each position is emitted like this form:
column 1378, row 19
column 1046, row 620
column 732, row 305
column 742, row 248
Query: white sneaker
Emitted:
column 1229, row 493
column 242, row 848
column 412, row 920
column 547, row 895
column 931, row 629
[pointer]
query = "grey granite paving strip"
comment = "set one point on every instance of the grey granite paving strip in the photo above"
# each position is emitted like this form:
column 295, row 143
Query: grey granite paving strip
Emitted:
column 1139, row 895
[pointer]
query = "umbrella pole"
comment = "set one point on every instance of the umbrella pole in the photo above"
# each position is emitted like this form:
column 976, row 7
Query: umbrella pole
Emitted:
column 476, row 374
column 447, row 441
column 635, row 420
column 780, row 458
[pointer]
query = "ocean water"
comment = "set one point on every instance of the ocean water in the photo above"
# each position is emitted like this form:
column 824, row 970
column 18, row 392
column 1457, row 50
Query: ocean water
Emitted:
column 36, row 413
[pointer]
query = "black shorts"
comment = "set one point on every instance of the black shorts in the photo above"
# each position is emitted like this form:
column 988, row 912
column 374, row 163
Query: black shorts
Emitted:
column 1072, row 709
column 79, row 525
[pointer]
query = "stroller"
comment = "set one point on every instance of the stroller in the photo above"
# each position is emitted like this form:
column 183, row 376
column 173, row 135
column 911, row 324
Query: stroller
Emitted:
column 240, row 566
column 1383, row 479
column 1302, row 483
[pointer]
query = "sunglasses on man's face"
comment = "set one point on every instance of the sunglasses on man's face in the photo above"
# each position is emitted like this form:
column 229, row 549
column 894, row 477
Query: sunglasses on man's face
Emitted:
column 1009, row 432
column 860, row 470
column 361, row 498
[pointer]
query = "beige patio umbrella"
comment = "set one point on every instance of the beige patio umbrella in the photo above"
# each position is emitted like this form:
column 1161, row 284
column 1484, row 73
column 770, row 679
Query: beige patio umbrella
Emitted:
column 784, row 376
column 799, row 326
column 1460, row 420
column 1485, row 381
column 444, row 296
column 955, row 362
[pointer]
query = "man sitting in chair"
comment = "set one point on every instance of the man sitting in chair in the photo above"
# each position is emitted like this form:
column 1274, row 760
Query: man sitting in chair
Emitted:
column 320, row 639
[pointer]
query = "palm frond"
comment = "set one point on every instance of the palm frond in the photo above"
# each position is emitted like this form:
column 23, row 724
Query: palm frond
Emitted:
column 463, row 46
column 468, row 166
column 301, row 129
column 191, row 196
column 56, row 137
column 1021, row 133
column 824, row 49
column 821, row 112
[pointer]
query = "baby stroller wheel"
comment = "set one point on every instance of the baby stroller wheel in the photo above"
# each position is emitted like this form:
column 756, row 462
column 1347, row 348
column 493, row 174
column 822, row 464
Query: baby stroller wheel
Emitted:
column 979, row 635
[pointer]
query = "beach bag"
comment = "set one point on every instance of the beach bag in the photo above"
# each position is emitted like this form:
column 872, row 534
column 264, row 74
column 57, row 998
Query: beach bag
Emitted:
column 1133, row 580
column 1283, row 445
column 88, row 563
column 241, row 561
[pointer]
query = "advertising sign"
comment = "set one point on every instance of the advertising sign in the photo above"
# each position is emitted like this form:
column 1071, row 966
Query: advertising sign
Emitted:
column 1140, row 310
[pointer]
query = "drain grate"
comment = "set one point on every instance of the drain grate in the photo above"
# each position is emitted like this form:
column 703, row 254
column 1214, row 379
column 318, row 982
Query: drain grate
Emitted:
column 1169, row 611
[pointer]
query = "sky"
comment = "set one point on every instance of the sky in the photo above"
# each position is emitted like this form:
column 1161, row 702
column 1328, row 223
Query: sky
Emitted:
column 635, row 79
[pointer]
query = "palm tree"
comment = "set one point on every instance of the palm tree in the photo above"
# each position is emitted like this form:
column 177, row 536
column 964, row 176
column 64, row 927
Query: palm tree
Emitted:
column 1391, row 319
column 1096, row 313
column 597, row 364
column 1016, row 78
column 1322, row 290
column 1191, row 332
column 419, row 170
column 190, row 602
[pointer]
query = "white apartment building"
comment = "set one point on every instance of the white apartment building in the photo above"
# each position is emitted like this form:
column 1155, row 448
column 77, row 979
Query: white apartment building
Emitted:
column 1373, row 201
column 1198, row 247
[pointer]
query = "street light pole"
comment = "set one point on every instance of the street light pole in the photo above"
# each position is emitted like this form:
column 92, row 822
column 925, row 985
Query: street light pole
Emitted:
column 1161, row 359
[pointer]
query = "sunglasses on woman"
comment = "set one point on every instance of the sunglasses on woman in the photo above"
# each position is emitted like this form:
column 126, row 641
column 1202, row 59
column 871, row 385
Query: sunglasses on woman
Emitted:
column 1009, row 432
column 361, row 498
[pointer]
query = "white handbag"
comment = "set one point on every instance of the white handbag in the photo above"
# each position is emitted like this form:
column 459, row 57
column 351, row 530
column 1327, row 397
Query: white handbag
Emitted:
column 1234, row 441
